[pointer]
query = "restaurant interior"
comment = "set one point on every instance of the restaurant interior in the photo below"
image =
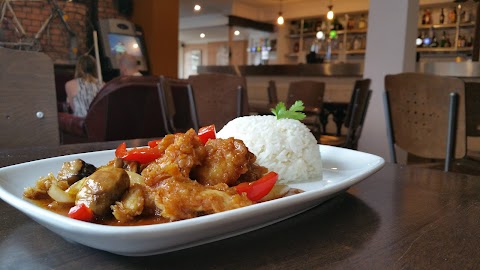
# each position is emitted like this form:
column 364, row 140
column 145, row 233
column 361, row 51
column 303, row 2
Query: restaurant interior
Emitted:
column 390, row 95
column 337, row 42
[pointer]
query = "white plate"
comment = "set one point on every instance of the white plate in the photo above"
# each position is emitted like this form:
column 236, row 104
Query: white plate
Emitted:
column 342, row 169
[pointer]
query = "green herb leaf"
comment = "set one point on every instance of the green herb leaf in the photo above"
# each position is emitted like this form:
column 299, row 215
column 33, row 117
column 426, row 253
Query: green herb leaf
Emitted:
column 295, row 111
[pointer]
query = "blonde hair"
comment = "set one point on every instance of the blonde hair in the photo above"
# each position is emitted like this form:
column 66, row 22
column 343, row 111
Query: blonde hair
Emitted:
column 86, row 68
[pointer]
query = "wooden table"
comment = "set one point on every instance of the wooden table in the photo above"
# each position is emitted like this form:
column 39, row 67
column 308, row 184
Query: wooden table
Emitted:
column 399, row 218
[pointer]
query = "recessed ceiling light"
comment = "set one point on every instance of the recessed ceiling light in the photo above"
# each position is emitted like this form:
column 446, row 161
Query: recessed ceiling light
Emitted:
column 202, row 35
column 236, row 33
column 197, row 7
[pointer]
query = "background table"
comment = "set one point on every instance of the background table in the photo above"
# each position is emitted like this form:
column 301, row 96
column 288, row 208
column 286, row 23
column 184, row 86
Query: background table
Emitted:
column 398, row 218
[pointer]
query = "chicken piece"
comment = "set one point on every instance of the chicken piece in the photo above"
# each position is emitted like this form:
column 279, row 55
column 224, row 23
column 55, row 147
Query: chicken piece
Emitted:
column 102, row 189
column 183, row 151
column 226, row 161
column 131, row 205
column 75, row 170
column 40, row 190
column 181, row 198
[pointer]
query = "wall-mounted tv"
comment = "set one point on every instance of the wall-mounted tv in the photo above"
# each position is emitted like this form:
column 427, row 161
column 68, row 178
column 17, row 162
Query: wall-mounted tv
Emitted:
column 120, row 44
column 119, row 37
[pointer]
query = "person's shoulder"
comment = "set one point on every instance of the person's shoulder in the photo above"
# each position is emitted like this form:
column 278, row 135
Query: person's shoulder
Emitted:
column 71, row 83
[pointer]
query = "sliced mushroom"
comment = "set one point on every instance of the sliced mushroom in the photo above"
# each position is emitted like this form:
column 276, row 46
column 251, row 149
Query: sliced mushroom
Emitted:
column 75, row 170
column 102, row 189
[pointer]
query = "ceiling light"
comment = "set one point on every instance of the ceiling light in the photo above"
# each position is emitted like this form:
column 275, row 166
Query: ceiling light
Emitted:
column 202, row 35
column 197, row 7
column 280, row 19
column 236, row 33
column 330, row 12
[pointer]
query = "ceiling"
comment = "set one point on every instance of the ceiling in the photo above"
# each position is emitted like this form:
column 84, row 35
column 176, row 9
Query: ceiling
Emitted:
column 212, row 18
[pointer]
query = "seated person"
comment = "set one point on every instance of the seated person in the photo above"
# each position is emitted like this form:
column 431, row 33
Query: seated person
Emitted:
column 128, row 65
column 85, row 86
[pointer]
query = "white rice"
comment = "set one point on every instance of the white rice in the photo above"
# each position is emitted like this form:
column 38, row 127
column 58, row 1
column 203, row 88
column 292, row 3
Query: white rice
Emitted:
column 285, row 146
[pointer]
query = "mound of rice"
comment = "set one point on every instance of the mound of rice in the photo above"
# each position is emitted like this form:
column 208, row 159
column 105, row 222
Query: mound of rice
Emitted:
column 285, row 146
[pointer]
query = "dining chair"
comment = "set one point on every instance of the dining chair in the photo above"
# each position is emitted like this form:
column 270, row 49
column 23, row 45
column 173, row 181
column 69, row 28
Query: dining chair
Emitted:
column 219, row 98
column 426, row 118
column 472, row 108
column 311, row 93
column 179, row 103
column 354, row 119
column 266, row 109
column 127, row 107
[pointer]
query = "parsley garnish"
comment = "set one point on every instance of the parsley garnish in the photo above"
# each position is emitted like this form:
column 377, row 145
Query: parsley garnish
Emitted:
column 295, row 111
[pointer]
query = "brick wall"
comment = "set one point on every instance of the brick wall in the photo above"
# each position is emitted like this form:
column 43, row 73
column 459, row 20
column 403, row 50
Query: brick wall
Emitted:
column 55, row 39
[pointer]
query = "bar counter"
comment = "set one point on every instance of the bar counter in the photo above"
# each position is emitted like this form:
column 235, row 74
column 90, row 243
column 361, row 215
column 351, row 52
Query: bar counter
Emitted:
column 398, row 218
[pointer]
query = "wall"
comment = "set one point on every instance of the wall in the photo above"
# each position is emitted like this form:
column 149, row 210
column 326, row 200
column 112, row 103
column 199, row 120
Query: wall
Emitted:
column 55, row 39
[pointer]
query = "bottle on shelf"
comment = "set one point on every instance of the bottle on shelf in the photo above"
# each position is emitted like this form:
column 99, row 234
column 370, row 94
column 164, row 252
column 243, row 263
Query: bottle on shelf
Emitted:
column 461, row 41
column 427, row 16
column 443, row 41
column 434, row 43
column 441, row 20
column 362, row 23
column 350, row 23
column 466, row 18
column 448, row 44
column 452, row 16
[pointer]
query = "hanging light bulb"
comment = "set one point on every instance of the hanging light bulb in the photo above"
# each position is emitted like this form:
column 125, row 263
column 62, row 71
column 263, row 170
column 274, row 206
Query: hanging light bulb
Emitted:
column 330, row 12
column 280, row 19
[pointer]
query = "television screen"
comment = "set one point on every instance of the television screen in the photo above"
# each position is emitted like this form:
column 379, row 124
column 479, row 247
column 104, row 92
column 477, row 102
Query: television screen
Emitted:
column 120, row 44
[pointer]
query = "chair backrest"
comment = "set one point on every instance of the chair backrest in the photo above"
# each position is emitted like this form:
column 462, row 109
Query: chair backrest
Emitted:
column 272, row 92
column 418, row 112
column 472, row 108
column 219, row 98
column 28, row 107
column 310, row 92
column 127, row 107
column 180, row 106
column 357, row 111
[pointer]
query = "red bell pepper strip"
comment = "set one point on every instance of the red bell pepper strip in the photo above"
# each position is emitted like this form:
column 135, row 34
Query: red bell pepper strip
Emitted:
column 206, row 133
column 121, row 150
column 258, row 189
column 141, row 155
column 81, row 212
column 154, row 143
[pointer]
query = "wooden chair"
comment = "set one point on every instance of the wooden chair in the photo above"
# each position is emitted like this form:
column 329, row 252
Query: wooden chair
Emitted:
column 356, row 112
column 127, row 107
column 265, row 109
column 426, row 118
column 311, row 93
column 219, row 98
column 28, row 105
column 179, row 103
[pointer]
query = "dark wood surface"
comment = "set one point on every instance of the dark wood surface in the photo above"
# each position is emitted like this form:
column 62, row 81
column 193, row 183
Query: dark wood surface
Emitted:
column 399, row 218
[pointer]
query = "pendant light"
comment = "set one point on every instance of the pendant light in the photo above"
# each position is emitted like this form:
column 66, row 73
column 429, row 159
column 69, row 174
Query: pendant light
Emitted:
column 280, row 19
column 330, row 12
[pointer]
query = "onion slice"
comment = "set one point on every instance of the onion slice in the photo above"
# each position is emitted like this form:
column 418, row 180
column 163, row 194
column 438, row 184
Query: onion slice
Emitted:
column 60, row 195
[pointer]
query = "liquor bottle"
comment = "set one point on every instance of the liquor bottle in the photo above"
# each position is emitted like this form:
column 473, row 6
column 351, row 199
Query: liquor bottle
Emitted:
column 443, row 41
column 452, row 16
column 362, row 23
column 434, row 43
column 442, row 18
column 427, row 17
column 448, row 44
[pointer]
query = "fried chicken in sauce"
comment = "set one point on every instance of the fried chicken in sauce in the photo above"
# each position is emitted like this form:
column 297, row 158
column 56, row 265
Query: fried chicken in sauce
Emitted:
column 189, row 179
